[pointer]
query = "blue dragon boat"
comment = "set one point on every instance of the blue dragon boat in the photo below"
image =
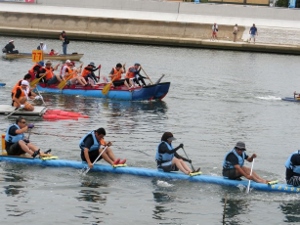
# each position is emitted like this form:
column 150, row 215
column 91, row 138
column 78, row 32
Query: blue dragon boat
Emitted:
column 152, row 173
column 151, row 92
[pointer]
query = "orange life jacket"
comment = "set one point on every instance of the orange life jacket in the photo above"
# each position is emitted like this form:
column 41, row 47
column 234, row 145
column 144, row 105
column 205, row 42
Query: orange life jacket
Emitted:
column 117, row 75
column 130, row 74
column 32, row 72
column 85, row 72
column 49, row 73
column 23, row 94
column 70, row 74
column 15, row 87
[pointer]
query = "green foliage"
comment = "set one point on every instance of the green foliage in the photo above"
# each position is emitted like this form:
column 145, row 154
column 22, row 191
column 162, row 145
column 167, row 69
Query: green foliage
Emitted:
column 282, row 3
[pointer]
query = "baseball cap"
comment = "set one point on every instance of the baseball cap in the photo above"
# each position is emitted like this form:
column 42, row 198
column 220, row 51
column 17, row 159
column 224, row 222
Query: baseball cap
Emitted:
column 25, row 82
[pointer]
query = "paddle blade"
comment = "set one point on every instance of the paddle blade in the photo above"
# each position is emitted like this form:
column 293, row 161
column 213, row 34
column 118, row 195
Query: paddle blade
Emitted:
column 36, row 80
column 62, row 84
column 106, row 89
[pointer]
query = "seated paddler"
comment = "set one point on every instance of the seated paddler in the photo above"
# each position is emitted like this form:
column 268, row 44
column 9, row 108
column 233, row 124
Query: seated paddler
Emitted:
column 292, row 173
column 93, row 144
column 233, row 164
column 15, row 142
column 21, row 95
column 168, row 159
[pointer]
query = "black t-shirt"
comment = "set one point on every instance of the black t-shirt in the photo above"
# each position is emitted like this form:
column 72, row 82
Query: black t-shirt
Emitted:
column 88, row 142
column 12, row 131
column 295, row 160
column 231, row 157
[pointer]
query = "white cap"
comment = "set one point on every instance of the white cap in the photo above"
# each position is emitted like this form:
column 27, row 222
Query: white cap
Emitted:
column 11, row 41
column 25, row 82
column 68, row 61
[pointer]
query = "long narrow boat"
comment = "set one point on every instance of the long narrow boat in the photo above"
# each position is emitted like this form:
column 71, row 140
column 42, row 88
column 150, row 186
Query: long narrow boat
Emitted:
column 72, row 57
column 147, row 93
column 153, row 173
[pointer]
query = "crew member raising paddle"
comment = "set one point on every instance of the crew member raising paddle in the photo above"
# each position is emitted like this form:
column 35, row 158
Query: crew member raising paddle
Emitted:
column 168, row 159
column 93, row 144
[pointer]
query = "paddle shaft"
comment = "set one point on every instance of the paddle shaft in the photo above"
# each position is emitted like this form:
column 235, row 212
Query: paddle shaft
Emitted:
column 41, row 97
column 188, row 159
column 248, row 187
column 88, row 169
column 16, row 110
column 146, row 75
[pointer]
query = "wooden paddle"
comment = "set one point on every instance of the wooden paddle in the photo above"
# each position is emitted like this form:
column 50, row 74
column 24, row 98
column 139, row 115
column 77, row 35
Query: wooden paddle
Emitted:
column 63, row 83
column 146, row 75
column 37, row 80
column 106, row 88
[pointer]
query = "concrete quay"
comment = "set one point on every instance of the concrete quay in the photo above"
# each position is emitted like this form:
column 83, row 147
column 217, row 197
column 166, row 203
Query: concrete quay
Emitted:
column 165, row 23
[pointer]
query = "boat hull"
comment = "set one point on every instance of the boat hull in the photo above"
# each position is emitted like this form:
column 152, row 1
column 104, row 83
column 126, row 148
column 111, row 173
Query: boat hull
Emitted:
column 291, row 99
column 156, row 91
column 152, row 173
column 72, row 57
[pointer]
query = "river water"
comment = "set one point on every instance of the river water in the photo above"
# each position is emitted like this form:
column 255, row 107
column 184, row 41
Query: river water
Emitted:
column 216, row 98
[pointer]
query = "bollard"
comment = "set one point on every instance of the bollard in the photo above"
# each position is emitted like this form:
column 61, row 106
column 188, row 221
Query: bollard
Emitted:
column 3, row 144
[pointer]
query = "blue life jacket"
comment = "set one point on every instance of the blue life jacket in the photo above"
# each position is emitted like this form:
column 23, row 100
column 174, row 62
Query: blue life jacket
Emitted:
column 241, row 158
column 164, row 159
column 289, row 165
column 13, row 138
column 94, row 147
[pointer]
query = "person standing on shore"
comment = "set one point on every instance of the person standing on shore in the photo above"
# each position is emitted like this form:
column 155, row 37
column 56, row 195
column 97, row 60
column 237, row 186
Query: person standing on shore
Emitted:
column 215, row 30
column 65, row 41
column 253, row 32
column 235, row 32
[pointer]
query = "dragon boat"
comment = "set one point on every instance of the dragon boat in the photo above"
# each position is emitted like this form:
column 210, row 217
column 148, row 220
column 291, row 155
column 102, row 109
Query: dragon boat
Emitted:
column 152, row 173
column 72, row 57
column 147, row 93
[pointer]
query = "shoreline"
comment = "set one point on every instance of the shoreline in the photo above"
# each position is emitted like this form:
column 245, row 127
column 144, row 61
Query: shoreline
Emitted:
column 178, row 30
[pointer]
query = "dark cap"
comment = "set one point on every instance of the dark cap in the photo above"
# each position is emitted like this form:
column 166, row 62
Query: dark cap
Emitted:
column 137, row 64
column 240, row 145
column 168, row 136
column 92, row 64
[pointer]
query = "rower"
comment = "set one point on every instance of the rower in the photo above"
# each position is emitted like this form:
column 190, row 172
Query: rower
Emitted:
column 27, row 77
column 168, row 159
column 36, row 70
column 50, row 77
column 21, row 95
column 233, row 165
column 15, row 142
column 133, row 75
column 292, row 174
column 88, row 73
column 93, row 144
column 116, row 76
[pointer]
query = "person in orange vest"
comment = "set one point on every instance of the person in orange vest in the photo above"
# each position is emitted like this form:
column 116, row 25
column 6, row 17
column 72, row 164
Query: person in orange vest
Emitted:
column 133, row 75
column 22, row 95
column 36, row 70
column 50, row 77
column 27, row 77
column 74, row 72
column 116, row 76
column 88, row 72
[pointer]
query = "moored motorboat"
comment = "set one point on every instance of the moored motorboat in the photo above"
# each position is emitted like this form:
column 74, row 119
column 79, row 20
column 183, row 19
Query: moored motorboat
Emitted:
column 153, row 173
column 72, row 57
column 147, row 93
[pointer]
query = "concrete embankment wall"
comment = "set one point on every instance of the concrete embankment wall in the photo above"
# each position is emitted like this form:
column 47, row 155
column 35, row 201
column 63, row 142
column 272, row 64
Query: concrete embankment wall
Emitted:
column 164, row 23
